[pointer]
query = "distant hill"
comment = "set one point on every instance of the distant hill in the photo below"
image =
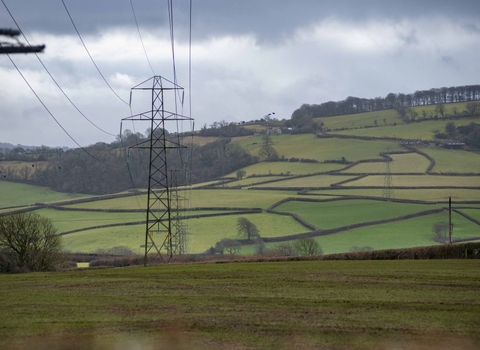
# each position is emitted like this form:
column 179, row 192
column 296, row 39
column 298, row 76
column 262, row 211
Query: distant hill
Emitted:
column 10, row 146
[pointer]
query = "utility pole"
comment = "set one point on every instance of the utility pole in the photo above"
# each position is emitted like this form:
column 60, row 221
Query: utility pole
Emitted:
column 162, row 232
column 18, row 47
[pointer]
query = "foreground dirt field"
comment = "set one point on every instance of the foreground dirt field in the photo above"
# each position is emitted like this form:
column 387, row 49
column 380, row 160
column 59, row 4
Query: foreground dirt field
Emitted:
column 407, row 304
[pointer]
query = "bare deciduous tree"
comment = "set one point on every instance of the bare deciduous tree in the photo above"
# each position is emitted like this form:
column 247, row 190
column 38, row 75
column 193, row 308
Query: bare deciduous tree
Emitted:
column 30, row 241
column 247, row 229
column 440, row 109
column 440, row 230
column 285, row 249
column 307, row 247
column 231, row 246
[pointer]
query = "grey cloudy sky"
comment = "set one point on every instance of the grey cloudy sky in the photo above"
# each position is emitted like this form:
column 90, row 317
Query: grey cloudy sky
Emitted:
column 249, row 58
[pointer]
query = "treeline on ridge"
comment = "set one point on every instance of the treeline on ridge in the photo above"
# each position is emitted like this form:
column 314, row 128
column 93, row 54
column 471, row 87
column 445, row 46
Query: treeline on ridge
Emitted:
column 419, row 98
column 108, row 168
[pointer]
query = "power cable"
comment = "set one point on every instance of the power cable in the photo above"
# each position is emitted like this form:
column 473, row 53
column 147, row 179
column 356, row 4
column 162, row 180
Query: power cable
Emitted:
column 140, row 35
column 91, row 58
column 48, row 72
column 189, row 62
column 50, row 113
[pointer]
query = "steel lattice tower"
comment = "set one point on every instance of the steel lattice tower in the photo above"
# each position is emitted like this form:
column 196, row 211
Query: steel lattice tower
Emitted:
column 160, row 233
column 179, row 228
column 388, row 182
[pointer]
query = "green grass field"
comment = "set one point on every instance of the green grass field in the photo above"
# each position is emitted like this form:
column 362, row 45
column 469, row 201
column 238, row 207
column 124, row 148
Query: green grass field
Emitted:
column 419, row 181
column 204, row 233
column 401, row 163
column 415, row 232
column 252, row 180
column 255, row 193
column 71, row 220
column 351, row 121
column 283, row 305
column 17, row 194
column 332, row 214
column 403, row 234
column 423, row 130
column 425, row 194
column 308, row 181
column 454, row 161
column 290, row 168
column 230, row 198
column 383, row 118
column 311, row 147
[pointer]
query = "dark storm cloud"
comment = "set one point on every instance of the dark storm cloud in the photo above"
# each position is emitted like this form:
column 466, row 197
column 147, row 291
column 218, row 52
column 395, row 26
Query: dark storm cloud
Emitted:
column 268, row 19
column 250, row 57
column 472, row 27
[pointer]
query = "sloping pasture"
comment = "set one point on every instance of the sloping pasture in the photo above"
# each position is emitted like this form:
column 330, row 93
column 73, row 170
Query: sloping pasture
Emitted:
column 453, row 161
column 290, row 168
column 307, row 181
column 401, row 163
column 352, row 121
column 73, row 220
column 204, row 233
column 338, row 213
column 473, row 213
column 421, row 130
column 449, row 109
column 252, row 180
column 413, row 232
column 312, row 147
column 104, row 238
column 418, row 181
column 17, row 194
column 424, row 194
column 198, row 198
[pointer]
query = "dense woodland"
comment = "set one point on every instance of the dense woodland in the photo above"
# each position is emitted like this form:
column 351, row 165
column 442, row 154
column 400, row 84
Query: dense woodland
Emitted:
column 108, row 168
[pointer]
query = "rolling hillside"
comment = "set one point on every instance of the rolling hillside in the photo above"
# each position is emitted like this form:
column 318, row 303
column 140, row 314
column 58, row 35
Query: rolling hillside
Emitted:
column 380, row 186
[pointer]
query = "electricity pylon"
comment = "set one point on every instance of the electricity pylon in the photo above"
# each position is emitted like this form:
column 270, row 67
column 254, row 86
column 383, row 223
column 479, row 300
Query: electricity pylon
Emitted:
column 388, row 182
column 161, row 235
column 18, row 47
column 179, row 227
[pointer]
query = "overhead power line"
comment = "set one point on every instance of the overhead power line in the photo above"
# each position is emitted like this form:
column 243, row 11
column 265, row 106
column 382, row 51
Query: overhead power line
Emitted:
column 140, row 35
column 50, row 113
column 89, row 55
column 51, row 76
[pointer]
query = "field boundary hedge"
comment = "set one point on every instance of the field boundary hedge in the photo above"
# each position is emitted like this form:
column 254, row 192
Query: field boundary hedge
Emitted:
column 142, row 222
column 445, row 251
column 350, row 197
column 55, row 207
column 319, row 233
column 466, row 216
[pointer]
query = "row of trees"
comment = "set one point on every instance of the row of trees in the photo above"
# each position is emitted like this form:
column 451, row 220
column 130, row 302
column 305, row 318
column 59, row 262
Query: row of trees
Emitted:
column 418, row 98
column 30, row 154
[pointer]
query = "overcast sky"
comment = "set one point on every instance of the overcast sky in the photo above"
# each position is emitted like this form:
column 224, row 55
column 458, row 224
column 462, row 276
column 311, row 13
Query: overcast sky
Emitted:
column 249, row 58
